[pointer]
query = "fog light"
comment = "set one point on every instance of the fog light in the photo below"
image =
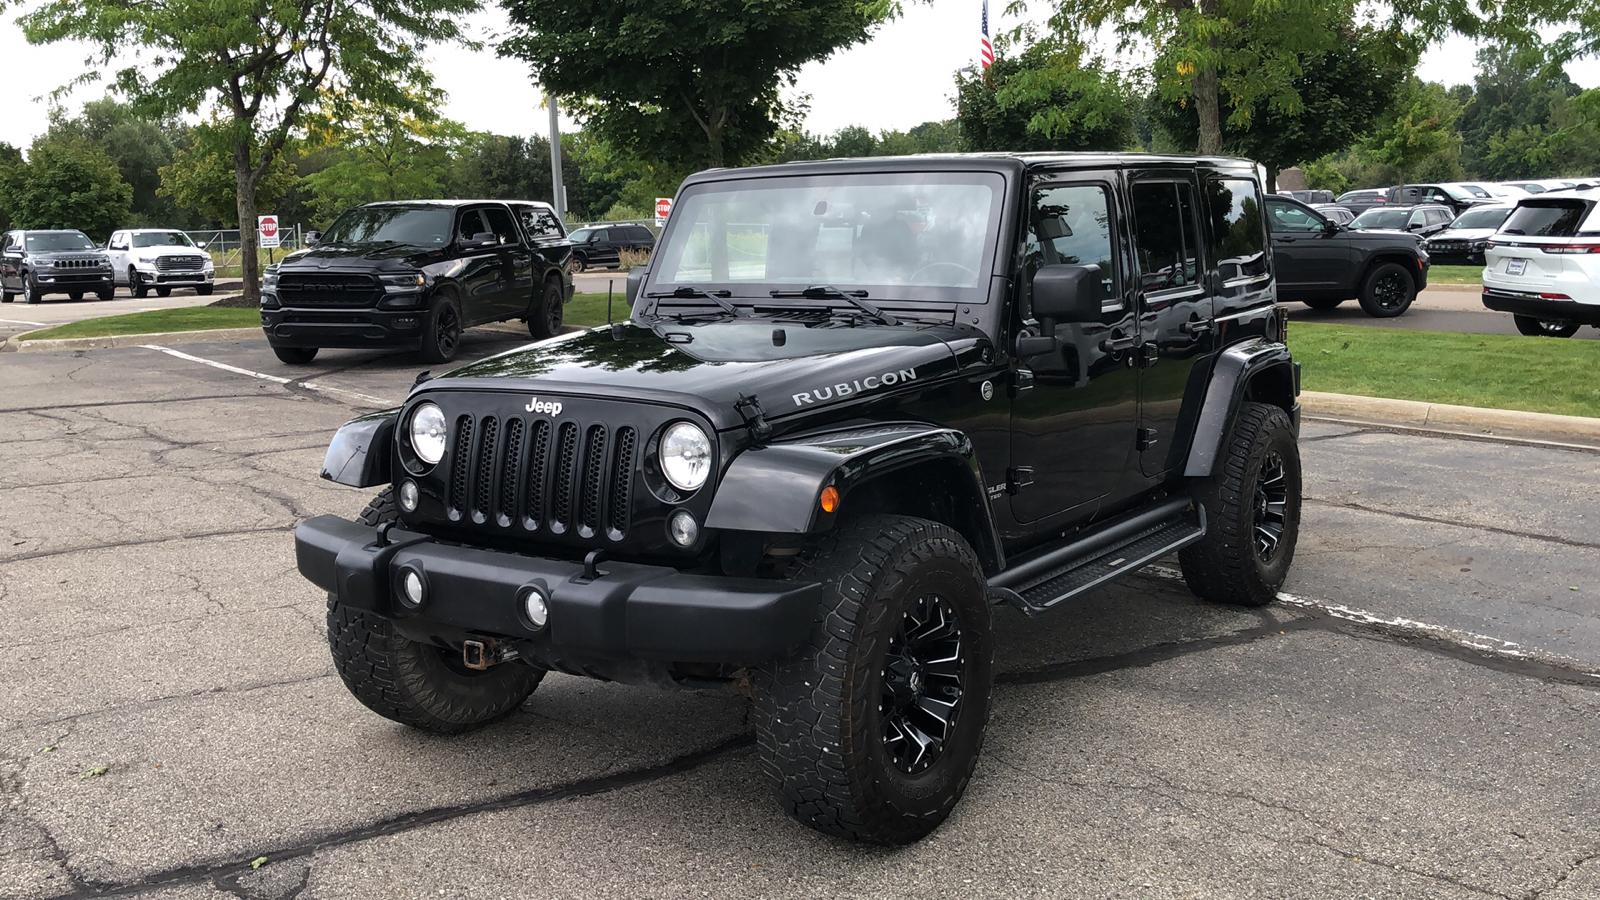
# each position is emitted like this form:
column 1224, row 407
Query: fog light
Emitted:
column 408, row 496
column 682, row 528
column 411, row 588
column 535, row 607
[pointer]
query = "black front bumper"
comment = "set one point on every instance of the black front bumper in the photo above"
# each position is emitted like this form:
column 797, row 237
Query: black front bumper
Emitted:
column 628, row 612
column 1541, row 308
column 345, row 328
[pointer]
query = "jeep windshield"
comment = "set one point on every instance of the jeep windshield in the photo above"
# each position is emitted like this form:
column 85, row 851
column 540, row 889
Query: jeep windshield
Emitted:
column 909, row 237
column 423, row 226
column 54, row 241
column 161, row 239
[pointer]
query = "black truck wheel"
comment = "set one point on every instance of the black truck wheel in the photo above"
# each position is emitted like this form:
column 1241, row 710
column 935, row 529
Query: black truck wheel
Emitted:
column 75, row 296
column 164, row 291
column 1252, row 503
column 109, row 293
column 204, row 290
column 1533, row 326
column 1322, row 303
column 872, row 729
column 544, row 319
column 442, row 335
column 418, row 684
column 295, row 356
column 1387, row 291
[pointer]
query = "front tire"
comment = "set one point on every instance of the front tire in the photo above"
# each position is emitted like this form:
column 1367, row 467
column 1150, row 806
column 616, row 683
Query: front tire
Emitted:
column 204, row 290
column 544, row 320
column 578, row 263
column 1252, row 502
column 295, row 356
column 872, row 730
column 418, row 684
column 1533, row 326
column 163, row 292
column 138, row 289
column 442, row 339
column 107, row 294
column 1387, row 291
column 1322, row 303
column 30, row 288
column 75, row 296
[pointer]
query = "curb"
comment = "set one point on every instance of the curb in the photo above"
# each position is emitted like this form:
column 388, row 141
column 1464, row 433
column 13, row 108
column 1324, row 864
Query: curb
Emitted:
column 1444, row 417
column 15, row 344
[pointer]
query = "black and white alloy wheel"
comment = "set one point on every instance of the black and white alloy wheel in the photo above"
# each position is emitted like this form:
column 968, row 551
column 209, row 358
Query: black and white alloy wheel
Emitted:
column 922, row 684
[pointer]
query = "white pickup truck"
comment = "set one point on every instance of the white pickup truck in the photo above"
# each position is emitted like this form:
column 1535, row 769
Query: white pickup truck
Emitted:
column 160, row 258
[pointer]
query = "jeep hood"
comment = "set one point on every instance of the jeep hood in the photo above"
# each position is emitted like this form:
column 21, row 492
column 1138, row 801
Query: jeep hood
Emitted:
column 707, row 366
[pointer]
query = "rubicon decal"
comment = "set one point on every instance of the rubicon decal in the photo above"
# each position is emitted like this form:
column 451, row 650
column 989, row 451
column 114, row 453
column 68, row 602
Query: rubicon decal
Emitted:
column 850, row 388
column 535, row 405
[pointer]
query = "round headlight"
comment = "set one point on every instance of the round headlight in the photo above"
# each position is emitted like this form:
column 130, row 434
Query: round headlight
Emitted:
column 428, row 433
column 685, row 456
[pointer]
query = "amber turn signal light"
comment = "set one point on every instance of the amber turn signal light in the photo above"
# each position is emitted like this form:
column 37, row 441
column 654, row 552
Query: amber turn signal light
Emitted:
column 830, row 498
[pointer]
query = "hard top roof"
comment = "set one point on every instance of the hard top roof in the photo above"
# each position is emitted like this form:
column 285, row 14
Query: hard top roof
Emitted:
column 973, row 162
column 451, row 203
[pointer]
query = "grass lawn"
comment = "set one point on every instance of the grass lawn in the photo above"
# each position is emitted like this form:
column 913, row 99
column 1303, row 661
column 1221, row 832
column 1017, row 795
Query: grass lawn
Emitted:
column 1486, row 370
column 588, row 310
column 193, row 318
column 1455, row 275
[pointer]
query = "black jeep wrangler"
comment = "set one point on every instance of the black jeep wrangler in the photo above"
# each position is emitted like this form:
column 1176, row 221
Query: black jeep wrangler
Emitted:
column 411, row 275
column 858, row 404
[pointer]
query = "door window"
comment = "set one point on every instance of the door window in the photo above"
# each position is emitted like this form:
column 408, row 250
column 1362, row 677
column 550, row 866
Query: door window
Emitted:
column 1285, row 218
column 501, row 223
column 1069, row 224
column 471, row 224
column 1163, row 234
column 1238, row 237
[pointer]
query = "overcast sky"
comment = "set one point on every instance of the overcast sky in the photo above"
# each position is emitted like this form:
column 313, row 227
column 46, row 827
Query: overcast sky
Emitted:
column 902, row 78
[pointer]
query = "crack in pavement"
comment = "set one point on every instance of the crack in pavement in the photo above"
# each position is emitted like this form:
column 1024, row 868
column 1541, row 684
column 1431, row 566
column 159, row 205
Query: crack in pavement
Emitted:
column 145, row 542
column 1434, row 520
column 1572, row 870
column 1406, row 870
column 189, row 398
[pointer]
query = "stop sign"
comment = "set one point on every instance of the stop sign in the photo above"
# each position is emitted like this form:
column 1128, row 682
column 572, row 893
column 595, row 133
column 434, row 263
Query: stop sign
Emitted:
column 267, row 227
column 663, row 207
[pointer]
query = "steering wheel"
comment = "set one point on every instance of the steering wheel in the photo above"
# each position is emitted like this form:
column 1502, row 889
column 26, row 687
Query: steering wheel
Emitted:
column 966, row 273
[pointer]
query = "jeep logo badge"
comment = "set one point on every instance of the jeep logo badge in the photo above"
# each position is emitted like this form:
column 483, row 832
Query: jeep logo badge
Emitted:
column 535, row 405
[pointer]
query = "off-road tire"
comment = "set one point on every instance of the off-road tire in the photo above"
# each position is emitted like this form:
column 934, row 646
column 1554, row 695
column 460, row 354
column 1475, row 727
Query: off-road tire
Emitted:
column 1387, row 291
column 205, row 290
column 441, row 334
column 163, row 292
column 1323, row 303
column 544, row 320
column 415, row 683
column 820, row 715
column 1226, row 566
column 295, row 356
column 1533, row 326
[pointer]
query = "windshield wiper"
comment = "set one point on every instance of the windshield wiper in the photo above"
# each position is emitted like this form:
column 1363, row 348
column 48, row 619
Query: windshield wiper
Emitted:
column 716, row 297
column 854, row 298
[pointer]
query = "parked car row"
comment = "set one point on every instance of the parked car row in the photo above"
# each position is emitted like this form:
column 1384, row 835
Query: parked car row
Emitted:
column 34, row 264
column 1458, row 196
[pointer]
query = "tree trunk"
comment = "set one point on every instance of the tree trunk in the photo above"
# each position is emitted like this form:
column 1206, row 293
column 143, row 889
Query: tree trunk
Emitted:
column 249, row 247
column 1207, row 105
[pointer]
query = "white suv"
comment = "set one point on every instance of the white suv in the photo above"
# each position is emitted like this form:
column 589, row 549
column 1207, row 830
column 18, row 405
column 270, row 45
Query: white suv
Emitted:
column 1543, row 265
column 160, row 258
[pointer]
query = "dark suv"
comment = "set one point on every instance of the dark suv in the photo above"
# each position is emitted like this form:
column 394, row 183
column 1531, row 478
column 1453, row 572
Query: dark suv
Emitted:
column 602, row 245
column 1322, row 264
column 412, row 275
column 37, row 263
column 859, row 402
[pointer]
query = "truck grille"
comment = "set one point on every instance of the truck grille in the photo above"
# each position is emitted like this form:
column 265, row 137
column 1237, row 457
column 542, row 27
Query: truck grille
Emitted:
column 302, row 290
column 535, row 475
column 186, row 263
column 79, row 264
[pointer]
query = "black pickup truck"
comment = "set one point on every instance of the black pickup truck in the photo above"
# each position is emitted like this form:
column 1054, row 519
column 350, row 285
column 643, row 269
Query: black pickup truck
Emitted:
column 412, row 275
column 858, row 403
column 1322, row 264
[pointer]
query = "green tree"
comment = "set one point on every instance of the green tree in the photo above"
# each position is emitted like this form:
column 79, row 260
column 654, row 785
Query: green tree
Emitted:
column 1417, row 128
column 202, row 178
column 1047, row 97
column 139, row 145
column 66, row 185
column 264, row 64
column 378, row 152
column 681, row 85
column 9, row 156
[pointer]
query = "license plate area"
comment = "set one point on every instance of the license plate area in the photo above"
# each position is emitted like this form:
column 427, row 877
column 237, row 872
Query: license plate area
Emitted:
column 1516, row 266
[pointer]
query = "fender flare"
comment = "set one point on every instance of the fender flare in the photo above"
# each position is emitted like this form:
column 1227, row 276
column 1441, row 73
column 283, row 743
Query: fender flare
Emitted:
column 361, row 449
column 776, row 488
column 1235, row 369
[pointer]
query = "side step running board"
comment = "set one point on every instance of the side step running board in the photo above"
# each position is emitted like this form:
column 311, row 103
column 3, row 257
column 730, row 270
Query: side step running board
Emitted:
column 1048, row 580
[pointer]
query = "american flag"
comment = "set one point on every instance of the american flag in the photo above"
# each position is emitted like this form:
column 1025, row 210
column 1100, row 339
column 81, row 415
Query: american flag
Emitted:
column 985, row 49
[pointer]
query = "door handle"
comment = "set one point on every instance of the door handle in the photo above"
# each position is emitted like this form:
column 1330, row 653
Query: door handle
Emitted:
column 1195, row 328
column 1116, row 344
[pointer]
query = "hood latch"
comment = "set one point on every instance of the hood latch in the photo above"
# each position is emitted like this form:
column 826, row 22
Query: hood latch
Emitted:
column 755, row 418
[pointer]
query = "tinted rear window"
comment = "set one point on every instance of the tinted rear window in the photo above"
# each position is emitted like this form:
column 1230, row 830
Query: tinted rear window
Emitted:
column 1546, row 218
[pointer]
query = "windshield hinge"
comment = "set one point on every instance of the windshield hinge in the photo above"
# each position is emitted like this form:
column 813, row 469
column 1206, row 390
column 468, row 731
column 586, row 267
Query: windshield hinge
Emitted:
column 755, row 418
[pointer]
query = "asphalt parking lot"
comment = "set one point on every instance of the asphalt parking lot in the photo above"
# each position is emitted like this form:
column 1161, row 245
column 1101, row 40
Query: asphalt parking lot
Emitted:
column 1417, row 718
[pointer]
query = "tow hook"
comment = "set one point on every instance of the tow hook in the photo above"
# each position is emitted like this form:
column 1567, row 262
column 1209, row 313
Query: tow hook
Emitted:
column 479, row 655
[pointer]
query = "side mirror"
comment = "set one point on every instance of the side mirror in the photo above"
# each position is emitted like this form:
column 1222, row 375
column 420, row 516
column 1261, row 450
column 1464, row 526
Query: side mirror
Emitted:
column 635, row 279
column 202, row 245
column 313, row 238
column 1067, row 293
column 1413, row 226
column 594, row 238
column 482, row 239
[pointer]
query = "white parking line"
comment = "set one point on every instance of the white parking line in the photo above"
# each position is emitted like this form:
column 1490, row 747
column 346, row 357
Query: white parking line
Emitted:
column 21, row 322
column 275, row 379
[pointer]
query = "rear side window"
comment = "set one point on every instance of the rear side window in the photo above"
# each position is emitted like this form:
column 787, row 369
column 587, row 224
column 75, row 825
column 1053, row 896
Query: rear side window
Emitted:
column 1163, row 225
column 539, row 222
column 1238, row 235
column 1546, row 218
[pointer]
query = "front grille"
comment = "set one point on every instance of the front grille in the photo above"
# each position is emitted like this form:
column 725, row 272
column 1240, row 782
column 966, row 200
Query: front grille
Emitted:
column 532, row 475
column 307, row 289
column 180, row 263
column 78, row 264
